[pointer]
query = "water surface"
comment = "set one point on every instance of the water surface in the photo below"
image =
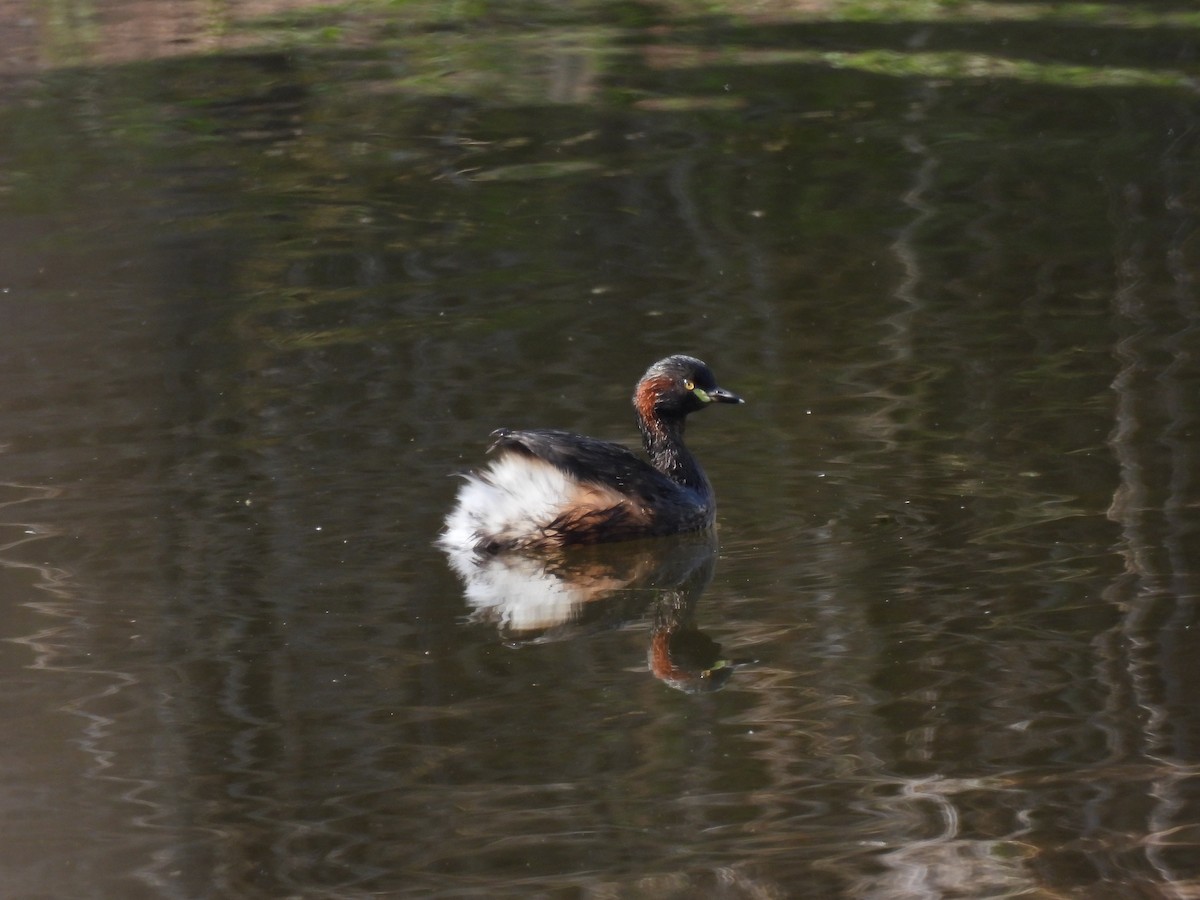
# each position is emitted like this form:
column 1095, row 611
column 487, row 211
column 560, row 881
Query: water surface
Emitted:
column 267, row 288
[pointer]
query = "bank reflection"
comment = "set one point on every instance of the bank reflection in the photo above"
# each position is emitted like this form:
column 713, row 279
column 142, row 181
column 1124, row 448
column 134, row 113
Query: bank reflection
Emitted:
column 532, row 599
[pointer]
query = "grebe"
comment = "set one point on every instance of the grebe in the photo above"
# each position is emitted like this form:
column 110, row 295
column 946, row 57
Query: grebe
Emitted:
column 548, row 489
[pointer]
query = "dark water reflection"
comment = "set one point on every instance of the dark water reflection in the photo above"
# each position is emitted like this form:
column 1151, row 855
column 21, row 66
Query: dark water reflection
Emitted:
column 259, row 306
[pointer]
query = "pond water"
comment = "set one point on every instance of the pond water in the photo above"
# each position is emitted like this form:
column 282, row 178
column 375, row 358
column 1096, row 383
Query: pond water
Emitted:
column 268, row 283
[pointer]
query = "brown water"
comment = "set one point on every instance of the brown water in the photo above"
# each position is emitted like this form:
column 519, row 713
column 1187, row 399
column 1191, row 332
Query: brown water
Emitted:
column 260, row 304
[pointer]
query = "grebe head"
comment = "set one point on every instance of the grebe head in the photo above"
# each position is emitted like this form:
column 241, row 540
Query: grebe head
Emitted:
column 676, row 386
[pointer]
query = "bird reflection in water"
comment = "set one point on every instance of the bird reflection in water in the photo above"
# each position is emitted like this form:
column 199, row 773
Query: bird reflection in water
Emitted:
column 539, row 598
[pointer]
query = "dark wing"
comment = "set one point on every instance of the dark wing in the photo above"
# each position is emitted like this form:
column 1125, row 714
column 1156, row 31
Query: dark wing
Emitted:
column 590, row 461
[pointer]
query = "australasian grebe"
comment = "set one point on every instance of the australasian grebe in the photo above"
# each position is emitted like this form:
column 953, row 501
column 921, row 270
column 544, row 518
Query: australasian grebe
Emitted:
column 549, row 488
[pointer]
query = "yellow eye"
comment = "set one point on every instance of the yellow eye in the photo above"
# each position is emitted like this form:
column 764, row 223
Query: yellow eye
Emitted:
column 689, row 385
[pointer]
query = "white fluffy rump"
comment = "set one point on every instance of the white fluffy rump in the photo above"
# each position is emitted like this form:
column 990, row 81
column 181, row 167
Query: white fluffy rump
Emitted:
column 510, row 501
